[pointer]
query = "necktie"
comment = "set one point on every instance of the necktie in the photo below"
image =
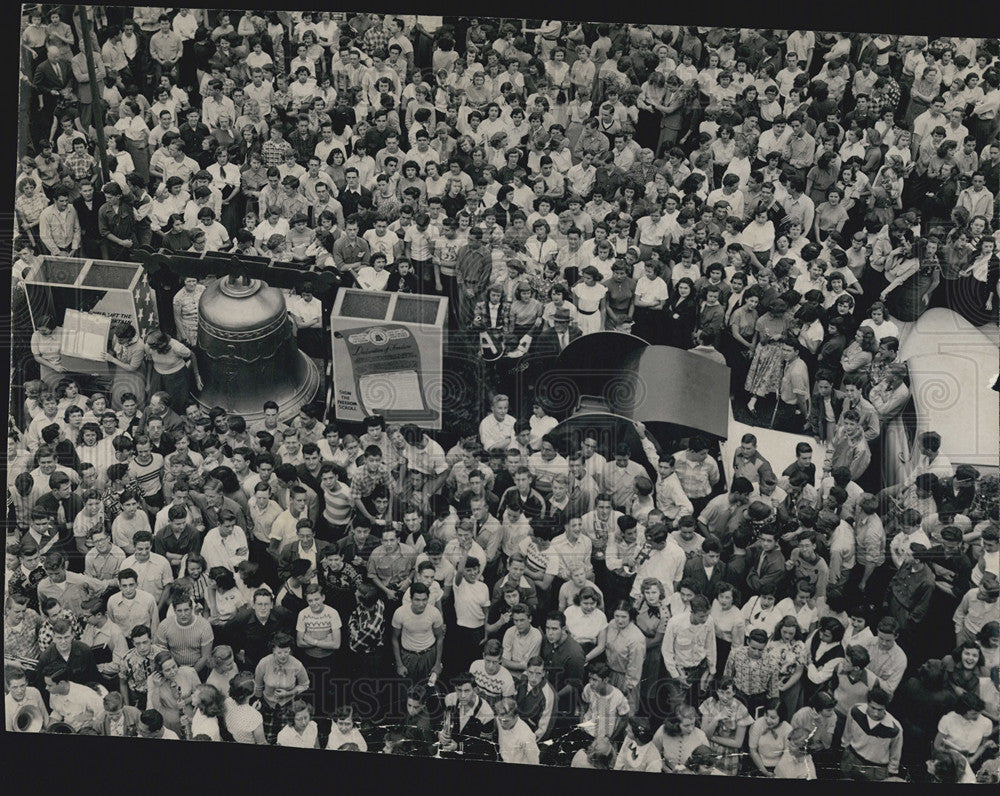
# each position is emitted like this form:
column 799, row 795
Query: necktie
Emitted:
column 563, row 342
column 760, row 564
column 57, row 70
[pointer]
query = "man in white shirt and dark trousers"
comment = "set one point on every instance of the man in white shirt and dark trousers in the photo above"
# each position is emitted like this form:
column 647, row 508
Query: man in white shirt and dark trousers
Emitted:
column 472, row 601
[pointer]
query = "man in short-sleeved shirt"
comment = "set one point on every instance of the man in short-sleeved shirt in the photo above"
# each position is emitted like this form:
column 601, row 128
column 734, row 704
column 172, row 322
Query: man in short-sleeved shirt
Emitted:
column 417, row 630
column 153, row 569
column 794, row 391
column 186, row 636
column 606, row 705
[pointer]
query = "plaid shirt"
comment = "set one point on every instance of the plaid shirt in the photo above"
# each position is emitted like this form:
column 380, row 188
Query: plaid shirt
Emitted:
column 364, row 483
column 696, row 478
column 751, row 676
column 113, row 500
column 376, row 38
column 367, row 627
column 274, row 153
column 80, row 165
column 885, row 98
column 45, row 631
column 31, row 208
column 137, row 668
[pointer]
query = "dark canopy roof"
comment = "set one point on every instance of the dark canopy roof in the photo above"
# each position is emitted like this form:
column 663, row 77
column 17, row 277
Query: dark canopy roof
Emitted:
column 654, row 384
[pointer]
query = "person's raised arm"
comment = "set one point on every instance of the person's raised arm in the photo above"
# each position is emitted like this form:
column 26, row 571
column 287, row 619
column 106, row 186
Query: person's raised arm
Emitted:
column 602, row 643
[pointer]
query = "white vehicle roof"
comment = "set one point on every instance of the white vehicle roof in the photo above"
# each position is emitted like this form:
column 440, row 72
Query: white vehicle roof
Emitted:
column 952, row 366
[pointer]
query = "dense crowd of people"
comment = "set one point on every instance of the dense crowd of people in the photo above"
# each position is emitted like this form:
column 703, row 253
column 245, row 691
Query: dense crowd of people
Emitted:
column 777, row 201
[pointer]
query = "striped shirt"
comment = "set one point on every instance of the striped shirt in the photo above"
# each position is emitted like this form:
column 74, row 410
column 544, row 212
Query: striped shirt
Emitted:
column 364, row 482
column 149, row 476
column 538, row 562
column 337, row 506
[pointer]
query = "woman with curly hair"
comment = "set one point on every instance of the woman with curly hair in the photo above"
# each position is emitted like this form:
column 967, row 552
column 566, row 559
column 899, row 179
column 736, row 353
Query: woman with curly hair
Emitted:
column 680, row 315
column 788, row 652
column 492, row 311
column 724, row 720
column 169, row 690
column 679, row 737
column 560, row 298
column 525, row 311
column 766, row 365
column 859, row 352
column 207, row 706
column 651, row 619
column 300, row 730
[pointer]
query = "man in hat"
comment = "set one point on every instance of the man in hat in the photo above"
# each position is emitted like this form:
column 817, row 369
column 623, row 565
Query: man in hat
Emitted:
column 955, row 494
column 552, row 340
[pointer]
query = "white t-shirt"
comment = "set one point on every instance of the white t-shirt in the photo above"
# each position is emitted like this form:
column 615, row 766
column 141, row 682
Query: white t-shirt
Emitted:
column 518, row 745
column 385, row 245
column 585, row 627
column 965, row 735
column 417, row 629
column 472, row 600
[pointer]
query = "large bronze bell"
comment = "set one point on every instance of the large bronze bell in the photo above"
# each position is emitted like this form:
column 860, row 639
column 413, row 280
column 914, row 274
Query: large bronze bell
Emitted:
column 247, row 352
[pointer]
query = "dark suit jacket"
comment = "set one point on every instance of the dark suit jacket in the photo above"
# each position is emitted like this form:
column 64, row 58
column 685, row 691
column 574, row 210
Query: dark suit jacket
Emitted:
column 173, row 423
column 946, row 498
column 74, row 505
column 211, row 515
column 350, row 202
column 546, row 345
column 694, row 571
column 773, row 571
column 45, row 79
column 290, row 553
